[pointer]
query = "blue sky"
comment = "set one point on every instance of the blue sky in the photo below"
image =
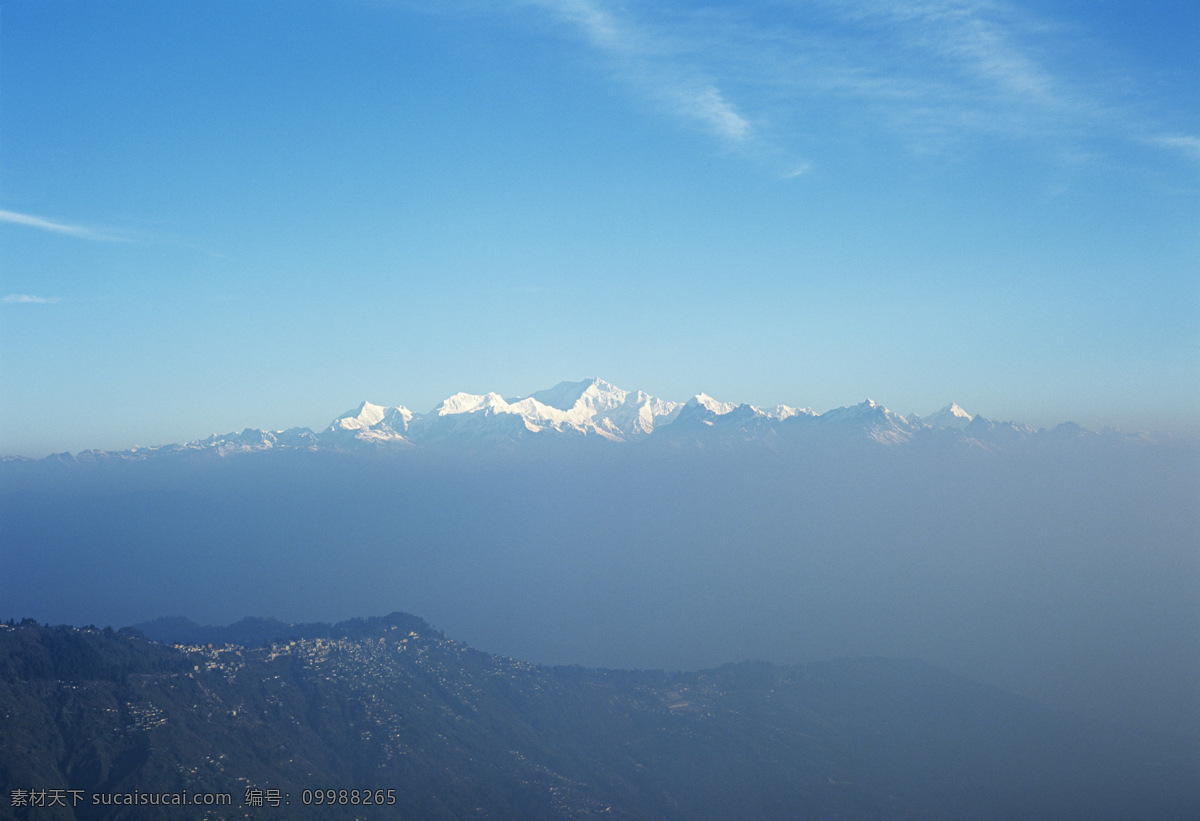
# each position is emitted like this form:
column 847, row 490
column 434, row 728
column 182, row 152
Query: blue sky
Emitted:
column 216, row 215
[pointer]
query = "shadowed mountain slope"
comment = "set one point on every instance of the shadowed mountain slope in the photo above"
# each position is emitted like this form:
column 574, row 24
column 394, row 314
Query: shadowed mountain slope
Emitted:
column 391, row 704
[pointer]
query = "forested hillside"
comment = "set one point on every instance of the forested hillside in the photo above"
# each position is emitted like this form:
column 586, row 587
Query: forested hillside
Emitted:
column 393, row 709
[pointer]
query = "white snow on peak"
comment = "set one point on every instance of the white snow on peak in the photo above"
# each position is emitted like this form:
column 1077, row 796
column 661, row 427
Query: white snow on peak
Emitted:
column 583, row 402
column 875, row 420
column 362, row 418
column 594, row 407
column 640, row 413
column 591, row 406
column 470, row 403
column 951, row 416
column 592, row 393
column 711, row 405
column 373, row 423
column 535, row 415
column 398, row 418
column 782, row 412
column 863, row 409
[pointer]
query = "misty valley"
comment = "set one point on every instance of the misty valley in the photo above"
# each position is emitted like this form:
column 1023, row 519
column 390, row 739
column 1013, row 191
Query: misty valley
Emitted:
column 753, row 616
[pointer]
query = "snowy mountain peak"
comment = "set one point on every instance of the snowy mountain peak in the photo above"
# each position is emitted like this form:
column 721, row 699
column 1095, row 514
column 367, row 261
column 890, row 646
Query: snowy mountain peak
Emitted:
column 712, row 405
column 874, row 420
column 372, row 423
column 363, row 417
column 951, row 416
column 593, row 392
column 867, row 409
column 471, row 403
column 639, row 414
column 782, row 412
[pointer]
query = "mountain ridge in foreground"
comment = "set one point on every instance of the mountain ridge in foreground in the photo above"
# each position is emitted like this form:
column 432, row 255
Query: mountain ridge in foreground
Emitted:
column 391, row 707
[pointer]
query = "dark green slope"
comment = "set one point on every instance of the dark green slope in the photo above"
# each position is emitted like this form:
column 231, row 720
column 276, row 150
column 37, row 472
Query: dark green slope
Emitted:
column 393, row 704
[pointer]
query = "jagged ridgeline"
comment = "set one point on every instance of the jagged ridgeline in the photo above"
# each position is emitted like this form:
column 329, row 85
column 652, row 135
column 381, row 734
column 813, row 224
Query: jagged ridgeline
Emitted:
column 393, row 707
column 597, row 411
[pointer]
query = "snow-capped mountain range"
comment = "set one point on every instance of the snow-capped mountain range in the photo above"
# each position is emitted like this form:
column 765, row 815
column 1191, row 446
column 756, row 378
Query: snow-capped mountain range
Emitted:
column 592, row 407
column 596, row 410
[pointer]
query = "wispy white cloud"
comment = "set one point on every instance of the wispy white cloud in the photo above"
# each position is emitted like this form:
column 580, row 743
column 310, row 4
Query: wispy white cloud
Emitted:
column 658, row 62
column 928, row 73
column 981, row 39
column 44, row 224
column 28, row 299
column 785, row 79
column 600, row 25
column 796, row 171
column 708, row 106
column 1187, row 145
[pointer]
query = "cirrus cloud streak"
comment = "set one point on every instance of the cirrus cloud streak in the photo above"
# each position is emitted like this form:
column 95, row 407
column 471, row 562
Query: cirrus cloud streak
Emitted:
column 43, row 224
column 27, row 299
